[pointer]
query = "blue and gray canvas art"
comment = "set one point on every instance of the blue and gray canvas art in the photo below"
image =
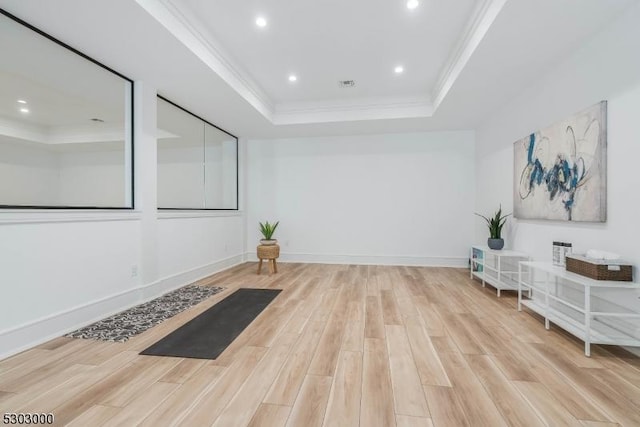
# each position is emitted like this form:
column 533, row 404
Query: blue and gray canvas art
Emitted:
column 560, row 171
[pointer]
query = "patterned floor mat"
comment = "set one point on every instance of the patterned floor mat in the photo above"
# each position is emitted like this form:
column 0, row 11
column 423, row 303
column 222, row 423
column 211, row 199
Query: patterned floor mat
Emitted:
column 124, row 325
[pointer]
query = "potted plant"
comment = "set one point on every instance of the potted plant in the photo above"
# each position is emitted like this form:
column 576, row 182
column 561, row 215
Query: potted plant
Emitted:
column 495, row 224
column 267, row 231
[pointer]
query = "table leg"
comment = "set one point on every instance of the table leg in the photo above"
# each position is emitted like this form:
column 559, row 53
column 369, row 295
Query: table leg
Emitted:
column 519, row 287
column 499, row 274
column 260, row 266
column 275, row 265
column 587, row 321
column 546, row 303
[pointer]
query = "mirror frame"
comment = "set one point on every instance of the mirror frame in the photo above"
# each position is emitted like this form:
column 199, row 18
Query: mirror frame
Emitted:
column 237, row 163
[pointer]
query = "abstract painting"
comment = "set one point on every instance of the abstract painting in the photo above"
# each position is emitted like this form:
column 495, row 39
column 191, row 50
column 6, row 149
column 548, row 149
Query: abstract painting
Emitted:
column 560, row 171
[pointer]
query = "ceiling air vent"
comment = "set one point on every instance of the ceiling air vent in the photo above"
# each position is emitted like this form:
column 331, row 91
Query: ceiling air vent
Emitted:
column 346, row 83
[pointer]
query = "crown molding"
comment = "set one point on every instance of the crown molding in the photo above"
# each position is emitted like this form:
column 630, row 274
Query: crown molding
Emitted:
column 185, row 28
column 21, row 130
column 483, row 17
column 63, row 135
column 351, row 110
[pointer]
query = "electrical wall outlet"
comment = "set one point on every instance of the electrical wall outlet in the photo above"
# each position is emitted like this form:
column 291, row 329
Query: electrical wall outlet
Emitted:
column 134, row 271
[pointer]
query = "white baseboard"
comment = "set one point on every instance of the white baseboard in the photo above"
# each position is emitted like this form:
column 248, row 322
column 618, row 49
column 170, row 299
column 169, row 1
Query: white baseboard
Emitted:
column 169, row 283
column 41, row 330
column 28, row 335
column 412, row 261
column 633, row 350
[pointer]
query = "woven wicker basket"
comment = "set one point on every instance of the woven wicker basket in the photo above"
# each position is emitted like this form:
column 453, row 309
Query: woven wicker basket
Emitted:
column 599, row 271
column 268, row 251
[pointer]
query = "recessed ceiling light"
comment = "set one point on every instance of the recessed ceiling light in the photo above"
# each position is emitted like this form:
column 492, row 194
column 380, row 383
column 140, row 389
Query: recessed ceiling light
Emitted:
column 21, row 101
column 24, row 110
column 261, row 22
column 399, row 69
column 412, row 4
column 292, row 78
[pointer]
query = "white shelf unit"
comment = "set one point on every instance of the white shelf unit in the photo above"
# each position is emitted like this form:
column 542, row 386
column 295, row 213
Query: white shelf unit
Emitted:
column 499, row 268
column 545, row 284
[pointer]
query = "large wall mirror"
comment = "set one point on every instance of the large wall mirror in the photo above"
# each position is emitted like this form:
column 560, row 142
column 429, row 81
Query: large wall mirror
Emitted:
column 65, row 125
column 197, row 162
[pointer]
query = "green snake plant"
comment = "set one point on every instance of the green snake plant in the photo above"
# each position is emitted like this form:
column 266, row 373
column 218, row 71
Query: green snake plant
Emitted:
column 267, row 229
column 495, row 223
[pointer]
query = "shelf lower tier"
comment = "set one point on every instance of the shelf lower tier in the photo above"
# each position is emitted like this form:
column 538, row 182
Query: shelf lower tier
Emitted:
column 505, row 284
column 600, row 333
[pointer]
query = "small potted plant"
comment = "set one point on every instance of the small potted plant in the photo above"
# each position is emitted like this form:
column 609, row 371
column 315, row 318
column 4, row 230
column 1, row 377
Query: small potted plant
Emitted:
column 495, row 224
column 267, row 231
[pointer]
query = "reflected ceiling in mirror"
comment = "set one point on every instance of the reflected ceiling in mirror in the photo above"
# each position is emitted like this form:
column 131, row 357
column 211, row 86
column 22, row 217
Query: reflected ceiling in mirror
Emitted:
column 65, row 124
column 67, row 97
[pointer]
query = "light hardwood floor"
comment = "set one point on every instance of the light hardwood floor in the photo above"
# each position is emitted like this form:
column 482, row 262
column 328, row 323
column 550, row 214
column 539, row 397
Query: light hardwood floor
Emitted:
column 340, row 346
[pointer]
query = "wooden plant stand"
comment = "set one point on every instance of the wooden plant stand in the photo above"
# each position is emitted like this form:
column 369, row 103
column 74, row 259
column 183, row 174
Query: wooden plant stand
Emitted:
column 269, row 253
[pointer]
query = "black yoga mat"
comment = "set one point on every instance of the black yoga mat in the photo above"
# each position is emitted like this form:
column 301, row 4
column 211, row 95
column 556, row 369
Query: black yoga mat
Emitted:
column 207, row 335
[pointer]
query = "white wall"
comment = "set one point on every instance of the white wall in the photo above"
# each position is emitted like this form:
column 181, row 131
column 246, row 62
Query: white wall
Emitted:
column 213, row 175
column 188, row 243
column 28, row 173
column 56, row 275
column 184, row 180
column 229, row 174
column 388, row 199
column 220, row 174
column 92, row 176
column 606, row 68
column 180, row 175
column 38, row 174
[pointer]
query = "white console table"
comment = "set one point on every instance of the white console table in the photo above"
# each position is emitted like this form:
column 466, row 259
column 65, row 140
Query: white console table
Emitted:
column 499, row 268
column 572, row 310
